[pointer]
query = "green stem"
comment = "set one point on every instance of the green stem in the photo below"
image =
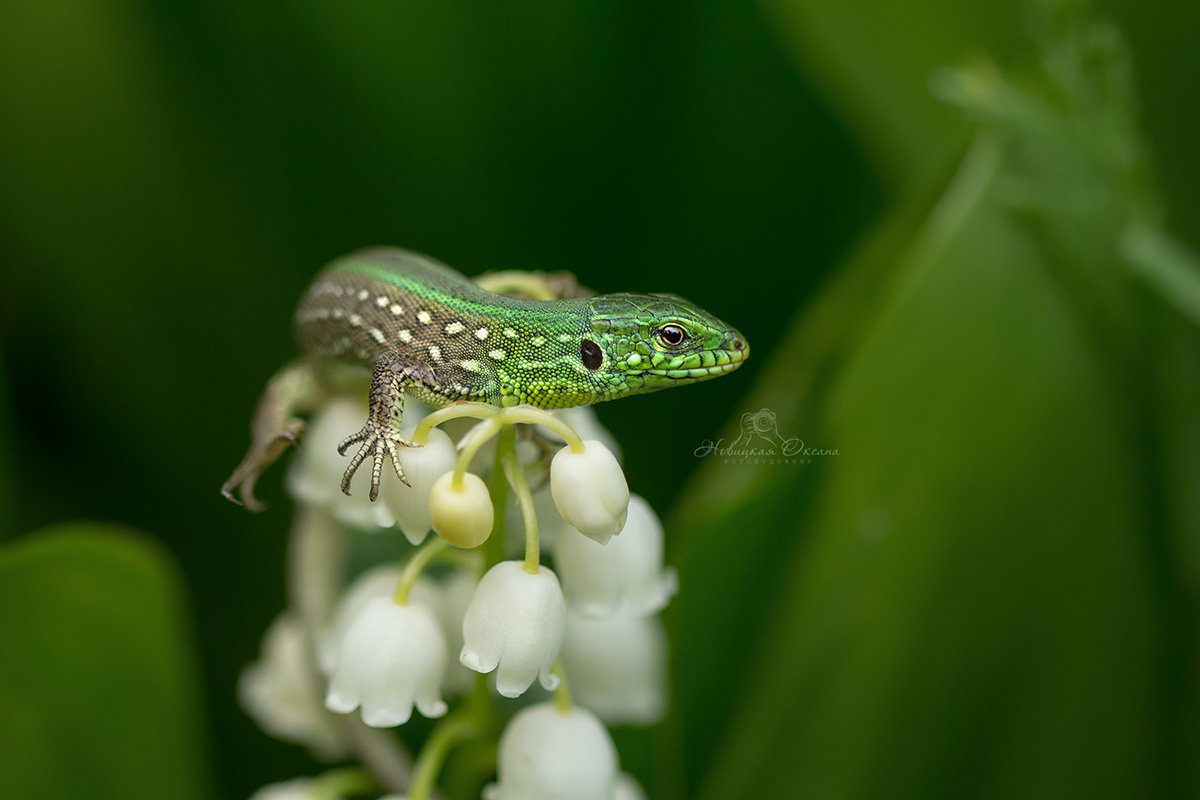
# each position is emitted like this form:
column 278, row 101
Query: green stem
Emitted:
column 475, row 439
column 416, row 563
column 456, row 411
column 516, row 476
column 562, row 694
column 343, row 782
column 531, row 415
column 498, row 488
column 447, row 733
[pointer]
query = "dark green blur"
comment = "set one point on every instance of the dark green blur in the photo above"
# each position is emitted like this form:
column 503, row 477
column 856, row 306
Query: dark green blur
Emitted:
column 990, row 591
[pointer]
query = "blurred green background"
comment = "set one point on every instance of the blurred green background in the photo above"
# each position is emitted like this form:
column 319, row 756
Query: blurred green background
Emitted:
column 990, row 591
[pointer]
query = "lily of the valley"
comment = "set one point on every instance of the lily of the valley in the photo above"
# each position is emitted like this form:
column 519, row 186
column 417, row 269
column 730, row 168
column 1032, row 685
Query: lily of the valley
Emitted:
column 547, row 753
column 391, row 657
column 626, row 575
column 590, row 490
column 617, row 666
column 514, row 625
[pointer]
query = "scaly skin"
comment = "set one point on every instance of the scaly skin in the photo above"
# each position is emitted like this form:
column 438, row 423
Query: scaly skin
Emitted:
column 426, row 330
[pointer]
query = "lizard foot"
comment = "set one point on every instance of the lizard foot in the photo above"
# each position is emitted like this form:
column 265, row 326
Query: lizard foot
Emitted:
column 377, row 442
column 260, row 456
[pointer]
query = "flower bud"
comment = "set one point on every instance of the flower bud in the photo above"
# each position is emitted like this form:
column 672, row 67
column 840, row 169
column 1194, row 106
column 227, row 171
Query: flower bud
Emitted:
column 590, row 491
column 422, row 467
column 514, row 625
column 625, row 574
column 461, row 515
column 391, row 658
column 546, row 754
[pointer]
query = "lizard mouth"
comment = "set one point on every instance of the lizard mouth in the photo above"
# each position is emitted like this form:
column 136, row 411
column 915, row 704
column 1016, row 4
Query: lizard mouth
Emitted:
column 727, row 361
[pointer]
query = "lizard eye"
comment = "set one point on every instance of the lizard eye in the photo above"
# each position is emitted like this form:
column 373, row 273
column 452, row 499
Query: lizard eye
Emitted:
column 671, row 335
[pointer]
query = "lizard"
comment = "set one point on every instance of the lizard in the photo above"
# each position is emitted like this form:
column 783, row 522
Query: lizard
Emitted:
column 424, row 329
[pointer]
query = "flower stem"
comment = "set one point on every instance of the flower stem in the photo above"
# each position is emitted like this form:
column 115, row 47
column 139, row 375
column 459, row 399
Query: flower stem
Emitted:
column 416, row 563
column 516, row 476
column 498, row 488
column 531, row 415
column 562, row 694
column 447, row 733
column 475, row 439
column 342, row 782
column 457, row 411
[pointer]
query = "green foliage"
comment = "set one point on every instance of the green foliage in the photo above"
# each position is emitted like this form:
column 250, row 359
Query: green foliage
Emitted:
column 97, row 686
column 990, row 591
column 991, row 588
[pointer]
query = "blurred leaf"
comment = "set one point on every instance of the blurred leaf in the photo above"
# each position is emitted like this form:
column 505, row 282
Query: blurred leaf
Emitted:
column 985, row 593
column 97, row 692
column 874, row 61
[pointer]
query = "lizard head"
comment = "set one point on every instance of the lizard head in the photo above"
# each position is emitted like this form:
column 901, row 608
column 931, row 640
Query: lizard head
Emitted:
column 647, row 342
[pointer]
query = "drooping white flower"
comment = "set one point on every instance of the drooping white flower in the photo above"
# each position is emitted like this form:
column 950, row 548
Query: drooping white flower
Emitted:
column 391, row 658
column 625, row 574
column 627, row 788
column 616, row 666
column 380, row 581
column 316, row 475
column 422, row 467
column 295, row 789
column 514, row 625
column 590, row 490
column 283, row 694
column 462, row 514
column 548, row 754
column 449, row 600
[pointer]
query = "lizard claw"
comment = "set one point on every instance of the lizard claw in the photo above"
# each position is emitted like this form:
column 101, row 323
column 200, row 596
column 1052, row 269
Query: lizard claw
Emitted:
column 255, row 462
column 377, row 443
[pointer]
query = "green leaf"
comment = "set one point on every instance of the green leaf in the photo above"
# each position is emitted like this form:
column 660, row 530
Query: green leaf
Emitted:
column 874, row 60
column 97, row 685
column 990, row 590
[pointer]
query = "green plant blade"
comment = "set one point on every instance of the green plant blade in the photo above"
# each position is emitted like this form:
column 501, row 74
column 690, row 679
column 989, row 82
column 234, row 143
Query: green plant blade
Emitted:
column 97, row 689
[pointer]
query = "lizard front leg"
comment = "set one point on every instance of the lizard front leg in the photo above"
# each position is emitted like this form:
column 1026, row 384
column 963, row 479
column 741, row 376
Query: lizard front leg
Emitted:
column 275, row 427
column 380, row 436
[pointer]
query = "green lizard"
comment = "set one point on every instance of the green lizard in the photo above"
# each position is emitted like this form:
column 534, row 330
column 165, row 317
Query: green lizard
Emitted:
column 426, row 330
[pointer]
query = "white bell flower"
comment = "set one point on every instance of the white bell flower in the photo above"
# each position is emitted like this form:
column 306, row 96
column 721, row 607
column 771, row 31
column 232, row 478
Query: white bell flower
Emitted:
column 617, row 666
column 422, row 467
column 380, row 581
column 590, row 490
column 283, row 693
column 514, row 625
column 627, row 788
column 449, row 600
column 461, row 514
column 625, row 574
column 391, row 658
column 548, row 754
column 295, row 789
column 316, row 474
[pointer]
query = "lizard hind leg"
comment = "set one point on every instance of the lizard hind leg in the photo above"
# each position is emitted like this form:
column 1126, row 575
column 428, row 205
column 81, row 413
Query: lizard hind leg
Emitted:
column 275, row 427
column 380, row 436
